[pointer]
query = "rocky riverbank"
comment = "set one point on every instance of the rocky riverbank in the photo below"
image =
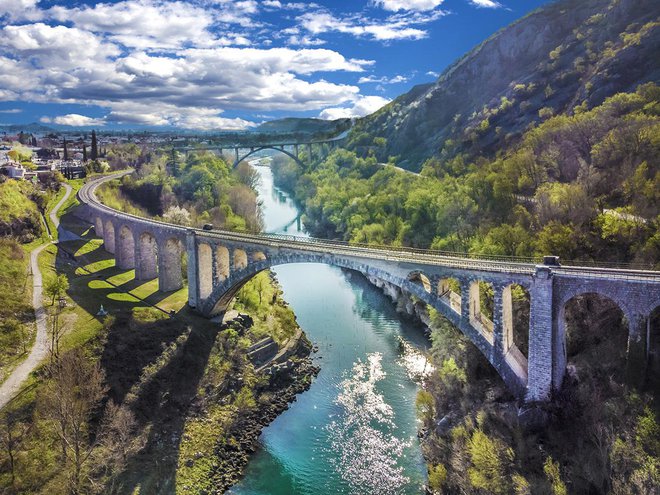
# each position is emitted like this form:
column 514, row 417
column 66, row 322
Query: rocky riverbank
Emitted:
column 279, row 381
column 233, row 452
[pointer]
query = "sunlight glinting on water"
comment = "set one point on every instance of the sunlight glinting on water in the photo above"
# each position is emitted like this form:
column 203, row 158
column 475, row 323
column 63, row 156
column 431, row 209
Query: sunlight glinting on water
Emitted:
column 354, row 431
column 361, row 437
column 415, row 362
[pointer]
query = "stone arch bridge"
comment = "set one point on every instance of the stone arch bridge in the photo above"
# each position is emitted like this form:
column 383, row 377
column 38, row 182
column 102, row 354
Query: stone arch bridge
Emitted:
column 219, row 263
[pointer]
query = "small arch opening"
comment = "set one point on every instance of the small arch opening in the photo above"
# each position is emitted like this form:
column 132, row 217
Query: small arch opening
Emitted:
column 515, row 327
column 240, row 259
column 449, row 292
column 221, row 263
column 125, row 249
column 258, row 256
column 109, row 237
column 481, row 308
column 421, row 279
column 146, row 266
column 205, row 273
column 98, row 226
column 172, row 265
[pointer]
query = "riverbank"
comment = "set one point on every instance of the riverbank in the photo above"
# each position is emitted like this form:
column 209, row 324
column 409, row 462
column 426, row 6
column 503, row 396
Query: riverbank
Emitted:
column 233, row 450
column 236, row 399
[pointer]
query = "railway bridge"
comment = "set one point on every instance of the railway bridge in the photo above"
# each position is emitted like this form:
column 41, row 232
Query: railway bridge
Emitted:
column 219, row 263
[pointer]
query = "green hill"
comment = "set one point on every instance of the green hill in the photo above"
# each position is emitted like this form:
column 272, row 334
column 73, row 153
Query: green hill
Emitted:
column 572, row 53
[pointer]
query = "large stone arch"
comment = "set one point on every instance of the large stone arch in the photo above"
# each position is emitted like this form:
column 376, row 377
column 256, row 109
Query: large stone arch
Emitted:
column 125, row 248
column 560, row 347
column 610, row 291
column 109, row 236
column 255, row 150
column 146, row 256
column 222, row 294
column 98, row 226
column 170, row 276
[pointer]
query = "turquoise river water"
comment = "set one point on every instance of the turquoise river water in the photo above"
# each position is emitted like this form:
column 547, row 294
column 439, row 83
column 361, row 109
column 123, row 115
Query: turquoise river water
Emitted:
column 354, row 431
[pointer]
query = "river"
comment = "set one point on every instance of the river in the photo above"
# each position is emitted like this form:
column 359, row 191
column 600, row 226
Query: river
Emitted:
column 355, row 430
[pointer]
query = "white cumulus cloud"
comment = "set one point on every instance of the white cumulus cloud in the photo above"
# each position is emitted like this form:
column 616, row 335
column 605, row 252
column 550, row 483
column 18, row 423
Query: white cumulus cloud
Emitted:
column 383, row 80
column 416, row 5
column 187, row 62
column 364, row 105
column 487, row 4
column 394, row 27
column 73, row 119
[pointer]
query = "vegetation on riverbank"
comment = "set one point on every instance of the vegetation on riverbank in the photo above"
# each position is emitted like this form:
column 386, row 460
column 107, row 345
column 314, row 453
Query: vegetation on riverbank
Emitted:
column 601, row 436
column 575, row 186
column 16, row 315
column 200, row 189
column 549, row 195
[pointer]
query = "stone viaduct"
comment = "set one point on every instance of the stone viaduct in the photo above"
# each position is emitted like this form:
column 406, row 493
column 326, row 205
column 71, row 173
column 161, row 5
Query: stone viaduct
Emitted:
column 219, row 263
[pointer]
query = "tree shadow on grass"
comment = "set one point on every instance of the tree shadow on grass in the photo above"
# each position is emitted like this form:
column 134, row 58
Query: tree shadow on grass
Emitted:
column 155, row 367
column 160, row 396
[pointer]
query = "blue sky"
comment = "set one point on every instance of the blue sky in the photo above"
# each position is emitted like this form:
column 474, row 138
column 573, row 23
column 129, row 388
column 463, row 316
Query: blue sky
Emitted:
column 225, row 64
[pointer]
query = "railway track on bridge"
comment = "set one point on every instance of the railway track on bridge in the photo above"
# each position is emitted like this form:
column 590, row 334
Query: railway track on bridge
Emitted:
column 485, row 263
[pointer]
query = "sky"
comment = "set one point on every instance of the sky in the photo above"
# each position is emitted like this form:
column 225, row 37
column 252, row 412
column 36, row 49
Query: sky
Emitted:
column 227, row 64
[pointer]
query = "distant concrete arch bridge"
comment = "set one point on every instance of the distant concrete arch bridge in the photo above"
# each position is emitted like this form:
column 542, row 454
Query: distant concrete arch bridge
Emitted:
column 219, row 263
column 291, row 148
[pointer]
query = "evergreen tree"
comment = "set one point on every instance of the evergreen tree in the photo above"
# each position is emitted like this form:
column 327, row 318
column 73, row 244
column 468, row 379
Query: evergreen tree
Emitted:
column 173, row 164
column 84, row 153
column 95, row 150
column 66, row 153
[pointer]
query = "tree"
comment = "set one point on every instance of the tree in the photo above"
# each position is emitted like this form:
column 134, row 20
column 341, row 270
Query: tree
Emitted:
column 12, row 433
column 56, row 287
column 490, row 458
column 84, row 153
column 69, row 399
column 95, row 150
column 437, row 477
column 551, row 469
column 425, row 405
column 65, row 155
column 177, row 215
column 248, row 175
column 244, row 400
column 56, row 333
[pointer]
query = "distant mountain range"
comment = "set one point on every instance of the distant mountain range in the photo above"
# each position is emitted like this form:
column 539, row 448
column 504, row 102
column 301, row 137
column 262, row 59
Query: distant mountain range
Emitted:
column 33, row 127
column 568, row 54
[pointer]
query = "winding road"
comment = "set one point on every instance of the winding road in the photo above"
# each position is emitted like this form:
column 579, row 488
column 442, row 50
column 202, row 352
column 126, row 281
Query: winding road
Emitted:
column 12, row 384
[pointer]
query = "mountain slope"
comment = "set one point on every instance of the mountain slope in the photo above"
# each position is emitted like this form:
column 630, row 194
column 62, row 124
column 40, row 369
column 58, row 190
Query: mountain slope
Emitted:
column 304, row 125
column 570, row 53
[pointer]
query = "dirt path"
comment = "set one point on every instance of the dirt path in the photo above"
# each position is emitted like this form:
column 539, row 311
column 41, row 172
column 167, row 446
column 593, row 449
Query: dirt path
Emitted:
column 39, row 350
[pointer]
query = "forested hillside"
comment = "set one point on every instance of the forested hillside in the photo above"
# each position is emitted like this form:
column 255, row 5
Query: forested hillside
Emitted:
column 565, row 57
column 580, row 180
column 583, row 187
